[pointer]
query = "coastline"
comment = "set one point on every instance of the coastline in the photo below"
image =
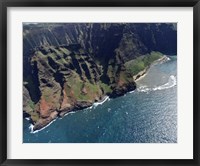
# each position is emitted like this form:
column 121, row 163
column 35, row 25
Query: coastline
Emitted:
column 93, row 123
column 136, row 78
column 143, row 73
column 94, row 105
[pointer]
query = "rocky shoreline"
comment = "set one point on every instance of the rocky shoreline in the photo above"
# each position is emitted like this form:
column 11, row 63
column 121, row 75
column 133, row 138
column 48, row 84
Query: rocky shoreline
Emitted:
column 80, row 106
column 73, row 65
column 120, row 91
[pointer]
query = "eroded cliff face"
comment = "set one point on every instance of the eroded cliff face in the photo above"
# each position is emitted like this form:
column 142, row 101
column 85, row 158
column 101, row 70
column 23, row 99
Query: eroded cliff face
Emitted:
column 70, row 66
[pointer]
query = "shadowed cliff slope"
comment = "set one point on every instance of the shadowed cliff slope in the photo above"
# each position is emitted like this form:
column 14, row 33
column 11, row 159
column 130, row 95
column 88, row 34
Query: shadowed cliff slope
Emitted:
column 69, row 66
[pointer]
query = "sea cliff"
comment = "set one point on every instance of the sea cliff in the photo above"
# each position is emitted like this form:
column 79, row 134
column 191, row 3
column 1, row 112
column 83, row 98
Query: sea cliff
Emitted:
column 68, row 67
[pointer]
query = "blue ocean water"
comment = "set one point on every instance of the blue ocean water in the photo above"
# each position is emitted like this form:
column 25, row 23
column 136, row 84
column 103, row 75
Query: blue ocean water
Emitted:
column 146, row 115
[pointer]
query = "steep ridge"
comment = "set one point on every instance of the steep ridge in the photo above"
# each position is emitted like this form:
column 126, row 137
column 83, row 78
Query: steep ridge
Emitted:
column 70, row 66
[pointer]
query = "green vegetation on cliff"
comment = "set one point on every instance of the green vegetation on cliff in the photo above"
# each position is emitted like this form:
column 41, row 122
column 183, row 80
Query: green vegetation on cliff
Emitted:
column 136, row 65
column 70, row 66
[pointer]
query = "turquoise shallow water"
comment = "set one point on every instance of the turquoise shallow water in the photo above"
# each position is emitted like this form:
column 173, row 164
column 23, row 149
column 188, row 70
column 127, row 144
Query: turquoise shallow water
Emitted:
column 147, row 115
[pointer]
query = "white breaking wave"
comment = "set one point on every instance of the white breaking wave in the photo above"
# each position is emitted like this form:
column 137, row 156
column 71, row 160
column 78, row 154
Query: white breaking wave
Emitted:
column 71, row 112
column 31, row 127
column 94, row 105
column 143, row 89
column 131, row 91
column 28, row 118
column 167, row 59
column 100, row 102
column 171, row 83
column 33, row 132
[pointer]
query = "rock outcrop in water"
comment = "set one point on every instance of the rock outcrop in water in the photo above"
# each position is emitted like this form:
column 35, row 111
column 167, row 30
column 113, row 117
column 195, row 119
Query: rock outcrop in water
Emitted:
column 70, row 66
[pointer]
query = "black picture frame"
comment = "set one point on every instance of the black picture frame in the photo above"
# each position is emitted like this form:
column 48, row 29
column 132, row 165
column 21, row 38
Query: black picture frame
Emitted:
column 98, row 3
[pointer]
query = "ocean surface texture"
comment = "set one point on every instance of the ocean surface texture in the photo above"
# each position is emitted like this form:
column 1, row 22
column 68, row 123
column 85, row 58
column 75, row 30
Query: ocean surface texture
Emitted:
column 146, row 115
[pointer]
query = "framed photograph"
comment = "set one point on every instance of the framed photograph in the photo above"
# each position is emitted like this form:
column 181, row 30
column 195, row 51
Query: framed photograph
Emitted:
column 99, row 82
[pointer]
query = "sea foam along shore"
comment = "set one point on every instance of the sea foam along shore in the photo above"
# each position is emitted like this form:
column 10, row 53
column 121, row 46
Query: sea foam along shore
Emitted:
column 171, row 83
column 143, row 73
column 100, row 102
column 35, row 131
column 137, row 77
column 105, row 98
